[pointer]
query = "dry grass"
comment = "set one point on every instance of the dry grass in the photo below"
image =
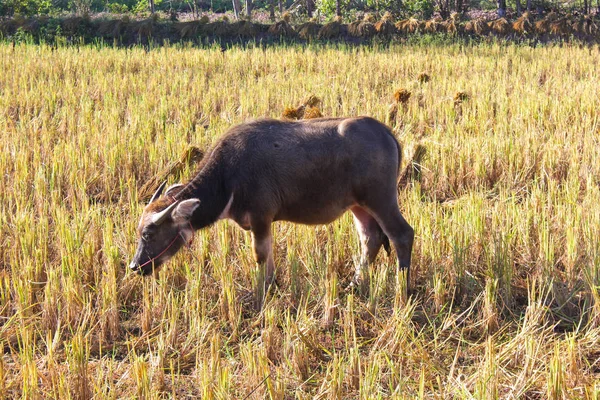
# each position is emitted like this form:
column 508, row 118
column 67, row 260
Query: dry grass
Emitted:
column 504, row 202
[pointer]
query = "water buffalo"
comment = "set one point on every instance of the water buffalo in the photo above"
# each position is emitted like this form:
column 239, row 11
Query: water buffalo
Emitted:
column 307, row 172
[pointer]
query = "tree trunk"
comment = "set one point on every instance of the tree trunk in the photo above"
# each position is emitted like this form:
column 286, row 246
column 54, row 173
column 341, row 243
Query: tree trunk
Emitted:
column 518, row 7
column 528, row 5
column 281, row 6
column 501, row 8
column 272, row 10
column 249, row 8
column 459, row 6
column 338, row 8
column 310, row 7
column 237, row 8
column 151, row 6
column 585, row 7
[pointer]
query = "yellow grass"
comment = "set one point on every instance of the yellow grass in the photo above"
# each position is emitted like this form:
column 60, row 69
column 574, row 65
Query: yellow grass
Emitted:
column 504, row 202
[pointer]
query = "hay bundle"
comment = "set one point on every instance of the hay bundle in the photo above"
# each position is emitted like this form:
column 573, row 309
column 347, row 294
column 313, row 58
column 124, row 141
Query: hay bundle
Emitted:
column 189, row 29
column 243, row 28
column 411, row 25
column 307, row 110
column 543, row 25
column 449, row 26
column 560, row 27
column 524, row 24
column 113, row 28
column 385, row 26
column 71, row 26
column 368, row 17
column 432, row 26
column 10, row 26
column 293, row 113
column 261, row 28
column 142, row 28
column 312, row 101
column 500, row 26
column 282, row 28
column 364, row 28
column 31, row 25
column 331, row 29
column 189, row 157
column 309, row 30
column 312, row 112
column 217, row 28
column 460, row 97
column 402, row 96
column 477, row 27
column 456, row 17
column 585, row 26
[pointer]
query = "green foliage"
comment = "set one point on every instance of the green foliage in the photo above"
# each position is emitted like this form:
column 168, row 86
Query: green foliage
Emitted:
column 82, row 6
column 25, row 7
column 328, row 7
column 422, row 9
column 117, row 8
column 384, row 5
column 144, row 5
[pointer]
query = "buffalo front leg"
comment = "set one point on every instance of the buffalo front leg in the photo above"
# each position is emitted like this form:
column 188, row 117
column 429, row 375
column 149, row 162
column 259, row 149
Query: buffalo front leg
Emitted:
column 402, row 235
column 263, row 252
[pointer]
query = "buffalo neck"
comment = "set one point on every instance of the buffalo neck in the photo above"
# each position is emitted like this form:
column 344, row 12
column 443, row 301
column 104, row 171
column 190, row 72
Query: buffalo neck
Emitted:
column 209, row 187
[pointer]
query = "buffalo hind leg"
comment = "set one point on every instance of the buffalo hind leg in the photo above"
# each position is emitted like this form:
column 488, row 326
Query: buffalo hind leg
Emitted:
column 371, row 239
column 263, row 253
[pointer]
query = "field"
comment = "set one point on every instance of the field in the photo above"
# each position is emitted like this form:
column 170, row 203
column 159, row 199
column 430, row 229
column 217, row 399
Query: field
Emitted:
column 505, row 204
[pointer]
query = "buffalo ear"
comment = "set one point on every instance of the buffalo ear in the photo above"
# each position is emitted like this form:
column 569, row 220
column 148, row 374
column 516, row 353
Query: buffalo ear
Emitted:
column 185, row 209
column 173, row 189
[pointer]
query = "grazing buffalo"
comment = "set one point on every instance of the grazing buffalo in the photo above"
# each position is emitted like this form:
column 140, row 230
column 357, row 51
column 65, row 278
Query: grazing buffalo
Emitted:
column 308, row 172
